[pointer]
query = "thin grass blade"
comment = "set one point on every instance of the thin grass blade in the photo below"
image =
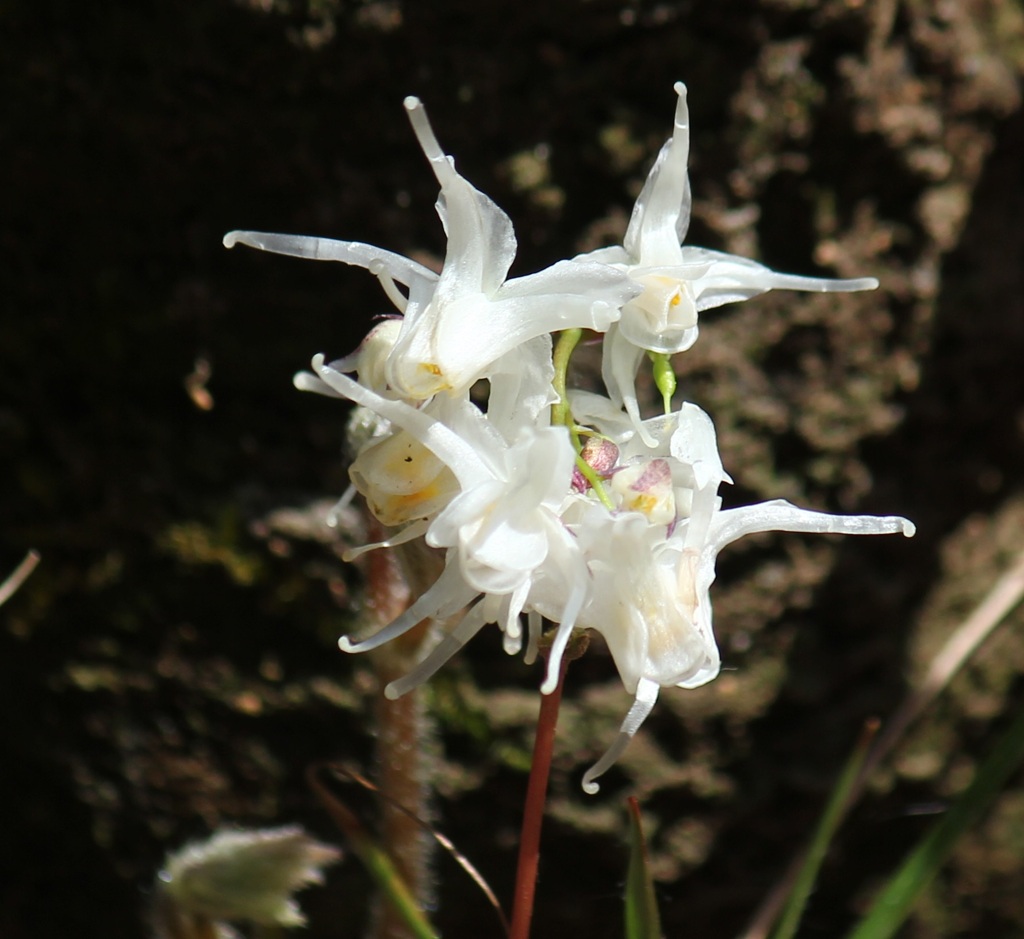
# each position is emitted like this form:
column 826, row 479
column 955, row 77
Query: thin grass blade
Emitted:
column 374, row 858
column 827, row 826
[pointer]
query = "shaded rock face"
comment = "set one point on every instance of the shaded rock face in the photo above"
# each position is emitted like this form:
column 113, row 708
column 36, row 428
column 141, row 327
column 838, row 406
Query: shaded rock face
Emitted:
column 171, row 666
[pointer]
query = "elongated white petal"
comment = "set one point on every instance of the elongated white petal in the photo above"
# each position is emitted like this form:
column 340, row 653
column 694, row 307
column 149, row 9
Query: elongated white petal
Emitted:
column 454, row 345
column 407, row 534
column 661, row 214
column 470, row 624
column 481, row 242
column 447, row 594
column 512, row 628
column 646, row 697
column 780, row 515
column 728, row 278
column 576, row 595
column 307, row 381
column 402, row 269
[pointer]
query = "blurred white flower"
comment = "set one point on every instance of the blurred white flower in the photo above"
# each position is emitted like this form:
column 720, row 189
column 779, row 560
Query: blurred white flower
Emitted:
column 245, row 876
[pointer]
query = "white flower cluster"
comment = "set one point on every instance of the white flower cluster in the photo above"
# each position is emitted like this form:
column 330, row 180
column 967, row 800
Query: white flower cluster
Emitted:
column 559, row 504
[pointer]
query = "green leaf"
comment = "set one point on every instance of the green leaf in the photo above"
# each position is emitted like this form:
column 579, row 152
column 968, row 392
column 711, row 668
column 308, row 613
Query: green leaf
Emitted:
column 894, row 903
column 642, row 920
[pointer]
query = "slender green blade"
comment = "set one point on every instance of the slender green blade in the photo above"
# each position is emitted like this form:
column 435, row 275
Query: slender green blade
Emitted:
column 894, row 903
column 642, row 920
column 376, row 860
column 830, row 821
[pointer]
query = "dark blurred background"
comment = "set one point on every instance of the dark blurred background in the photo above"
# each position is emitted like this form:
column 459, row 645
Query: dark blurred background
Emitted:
column 171, row 666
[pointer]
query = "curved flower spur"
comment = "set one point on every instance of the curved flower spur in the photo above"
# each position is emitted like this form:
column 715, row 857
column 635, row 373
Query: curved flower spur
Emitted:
column 546, row 500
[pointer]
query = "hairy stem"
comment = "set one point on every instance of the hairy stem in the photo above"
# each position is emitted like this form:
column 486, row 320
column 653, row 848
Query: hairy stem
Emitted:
column 403, row 740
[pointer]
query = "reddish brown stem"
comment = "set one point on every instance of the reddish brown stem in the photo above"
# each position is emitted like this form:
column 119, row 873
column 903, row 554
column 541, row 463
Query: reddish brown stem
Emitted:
column 533, row 811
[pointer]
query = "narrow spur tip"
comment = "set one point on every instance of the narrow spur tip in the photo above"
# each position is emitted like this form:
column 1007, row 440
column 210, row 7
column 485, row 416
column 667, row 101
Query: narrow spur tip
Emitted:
column 391, row 692
column 850, row 285
column 231, row 239
column 346, row 645
column 909, row 528
column 549, row 684
column 590, row 787
column 680, row 89
column 411, row 103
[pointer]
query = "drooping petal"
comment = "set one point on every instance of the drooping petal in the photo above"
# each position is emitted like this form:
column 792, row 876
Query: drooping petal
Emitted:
column 410, row 533
column 471, row 623
column 620, row 360
column 447, row 594
column 643, row 704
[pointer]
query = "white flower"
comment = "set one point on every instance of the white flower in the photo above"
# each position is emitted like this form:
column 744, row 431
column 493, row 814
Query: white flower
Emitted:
column 652, row 560
column 502, row 532
column 678, row 282
column 651, row 598
column 458, row 324
column 624, row 542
